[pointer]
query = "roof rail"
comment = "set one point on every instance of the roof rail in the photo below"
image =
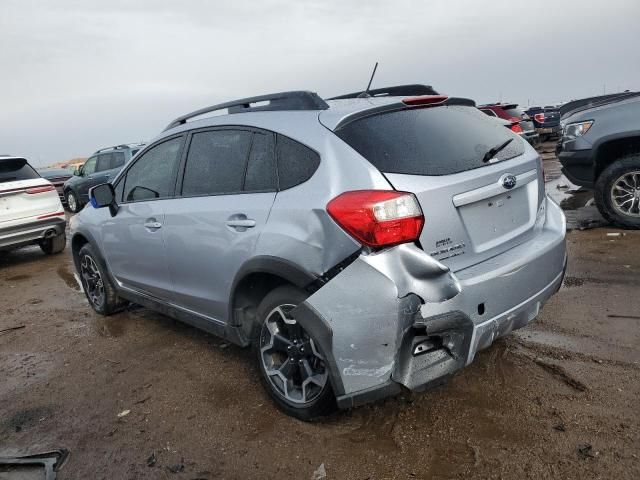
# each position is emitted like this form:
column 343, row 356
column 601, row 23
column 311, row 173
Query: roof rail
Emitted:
column 119, row 147
column 296, row 100
column 394, row 91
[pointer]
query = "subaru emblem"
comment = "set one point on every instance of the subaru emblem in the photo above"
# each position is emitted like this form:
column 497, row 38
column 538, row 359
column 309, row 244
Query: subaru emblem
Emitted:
column 508, row 181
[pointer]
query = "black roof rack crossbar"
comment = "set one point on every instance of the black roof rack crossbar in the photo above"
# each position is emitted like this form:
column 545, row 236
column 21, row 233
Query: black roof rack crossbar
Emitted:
column 296, row 100
column 395, row 91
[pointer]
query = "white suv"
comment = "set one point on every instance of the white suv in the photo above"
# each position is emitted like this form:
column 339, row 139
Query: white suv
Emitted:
column 30, row 209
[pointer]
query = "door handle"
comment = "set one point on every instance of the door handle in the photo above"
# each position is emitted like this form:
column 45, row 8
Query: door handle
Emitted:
column 241, row 223
column 152, row 224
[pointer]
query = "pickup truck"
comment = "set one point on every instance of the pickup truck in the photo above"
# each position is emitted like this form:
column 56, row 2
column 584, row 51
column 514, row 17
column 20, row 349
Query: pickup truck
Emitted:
column 546, row 121
column 600, row 150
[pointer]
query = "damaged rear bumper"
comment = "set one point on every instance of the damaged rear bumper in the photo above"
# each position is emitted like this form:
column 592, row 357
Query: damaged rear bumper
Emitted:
column 399, row 318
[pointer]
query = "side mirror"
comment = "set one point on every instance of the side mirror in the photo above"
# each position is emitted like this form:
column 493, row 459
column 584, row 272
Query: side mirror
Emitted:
column 76, row 172
column 104, row 195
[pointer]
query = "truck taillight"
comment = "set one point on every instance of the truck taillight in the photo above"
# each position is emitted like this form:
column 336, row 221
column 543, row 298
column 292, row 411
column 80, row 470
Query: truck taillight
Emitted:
column 378, row 218
column 539, row 117
column 40, row 189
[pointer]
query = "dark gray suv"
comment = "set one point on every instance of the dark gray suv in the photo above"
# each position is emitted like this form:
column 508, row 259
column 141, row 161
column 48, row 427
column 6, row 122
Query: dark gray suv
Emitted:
column 101, row 167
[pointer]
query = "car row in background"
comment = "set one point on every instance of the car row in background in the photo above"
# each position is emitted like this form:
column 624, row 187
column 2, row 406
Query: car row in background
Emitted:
column 518, row 121
column 99, row 168
column 30, row 209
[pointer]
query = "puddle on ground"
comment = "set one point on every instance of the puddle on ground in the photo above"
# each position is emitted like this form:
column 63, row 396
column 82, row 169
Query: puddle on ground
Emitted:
column 110, row 326
column 578, row 204
column 70, row 278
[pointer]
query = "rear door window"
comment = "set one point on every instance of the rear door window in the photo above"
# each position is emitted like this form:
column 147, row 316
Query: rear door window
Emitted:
column 15, row 169
column 216, row 162
column 429, row 141
column 117, row 159
column 104, row 162
column 261, row 169
column 296, row 162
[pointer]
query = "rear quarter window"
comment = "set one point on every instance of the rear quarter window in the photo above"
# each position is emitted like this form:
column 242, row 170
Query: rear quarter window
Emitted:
column 296, row 163
column 429, row 141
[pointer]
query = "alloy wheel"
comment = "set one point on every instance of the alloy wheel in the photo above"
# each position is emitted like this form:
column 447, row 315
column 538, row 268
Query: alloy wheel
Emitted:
column 93, row 282
column 625, row 194
column 294, row 367
column 71, row 201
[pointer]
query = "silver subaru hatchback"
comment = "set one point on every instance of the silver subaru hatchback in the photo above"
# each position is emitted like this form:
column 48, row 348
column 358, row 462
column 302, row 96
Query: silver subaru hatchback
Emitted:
column 361, row 245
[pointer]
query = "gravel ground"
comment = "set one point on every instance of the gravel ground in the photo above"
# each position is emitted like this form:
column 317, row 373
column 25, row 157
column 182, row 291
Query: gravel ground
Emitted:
column 558, row 399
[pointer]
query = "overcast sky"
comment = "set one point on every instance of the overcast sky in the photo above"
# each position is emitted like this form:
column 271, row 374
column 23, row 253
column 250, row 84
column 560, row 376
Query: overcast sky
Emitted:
column 79, row 75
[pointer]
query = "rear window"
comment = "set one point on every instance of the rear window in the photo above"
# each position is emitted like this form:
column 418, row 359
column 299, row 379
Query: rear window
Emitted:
column 16, row 169
column 515, row 112
column 429, row 141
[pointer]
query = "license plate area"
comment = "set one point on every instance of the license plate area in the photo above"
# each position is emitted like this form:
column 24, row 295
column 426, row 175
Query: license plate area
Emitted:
column 500, row 218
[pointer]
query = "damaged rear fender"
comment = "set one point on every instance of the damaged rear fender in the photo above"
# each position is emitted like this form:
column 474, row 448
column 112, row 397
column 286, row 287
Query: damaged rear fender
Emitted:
column 361, row 315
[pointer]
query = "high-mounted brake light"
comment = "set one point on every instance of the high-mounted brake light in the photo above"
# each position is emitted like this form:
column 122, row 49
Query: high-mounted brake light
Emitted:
column 539, row 117
column 425, row 100
column 378, row 218
column 40, row 189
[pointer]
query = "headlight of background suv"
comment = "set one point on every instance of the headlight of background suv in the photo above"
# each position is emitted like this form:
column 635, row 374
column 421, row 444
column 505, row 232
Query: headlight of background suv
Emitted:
column 577, row 129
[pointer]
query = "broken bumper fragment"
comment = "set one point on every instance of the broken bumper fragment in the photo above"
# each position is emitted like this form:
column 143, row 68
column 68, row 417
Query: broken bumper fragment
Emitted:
column 399, row 318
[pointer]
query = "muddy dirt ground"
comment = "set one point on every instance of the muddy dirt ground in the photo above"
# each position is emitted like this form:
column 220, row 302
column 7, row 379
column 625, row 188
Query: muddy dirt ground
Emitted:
column 559, row 399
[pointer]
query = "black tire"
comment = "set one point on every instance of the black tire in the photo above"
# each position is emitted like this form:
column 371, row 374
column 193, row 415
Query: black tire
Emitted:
column 53, row 245
column 323, row 401
column 107, row 301
column 605, row 186
column 73, row 202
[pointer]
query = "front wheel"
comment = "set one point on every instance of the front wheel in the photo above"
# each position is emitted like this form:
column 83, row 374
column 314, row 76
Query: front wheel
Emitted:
column 617, row 192
column 96, row 284
column 293, row 369
column 73, row 204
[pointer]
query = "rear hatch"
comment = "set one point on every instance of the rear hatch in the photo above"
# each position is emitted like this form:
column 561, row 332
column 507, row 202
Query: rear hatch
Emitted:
column 23, row 193
column 437, row 154
column 518, row 113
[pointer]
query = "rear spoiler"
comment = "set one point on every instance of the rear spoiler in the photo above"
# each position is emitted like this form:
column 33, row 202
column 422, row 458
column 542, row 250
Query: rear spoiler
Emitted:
column 400, row 105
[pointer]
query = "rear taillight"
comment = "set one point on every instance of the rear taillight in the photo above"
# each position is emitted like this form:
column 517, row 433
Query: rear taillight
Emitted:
column 516, row 128
column 40, row 189
column 539, row 117
column 378, row 218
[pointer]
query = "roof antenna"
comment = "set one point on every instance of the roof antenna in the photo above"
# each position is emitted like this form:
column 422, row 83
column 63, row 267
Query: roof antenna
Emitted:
column 365, row 94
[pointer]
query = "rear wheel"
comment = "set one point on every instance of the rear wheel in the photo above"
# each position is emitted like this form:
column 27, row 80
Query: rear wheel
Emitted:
column 73, row 204
column 53, row 245
column 617, row 192
column 96, row 284
column 292, row 367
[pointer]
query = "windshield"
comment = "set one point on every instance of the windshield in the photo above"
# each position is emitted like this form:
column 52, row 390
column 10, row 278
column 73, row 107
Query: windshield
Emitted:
column 13, row 169
column 429, row 141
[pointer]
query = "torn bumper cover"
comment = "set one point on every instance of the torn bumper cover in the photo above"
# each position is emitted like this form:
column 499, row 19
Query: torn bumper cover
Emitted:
column 400, row 318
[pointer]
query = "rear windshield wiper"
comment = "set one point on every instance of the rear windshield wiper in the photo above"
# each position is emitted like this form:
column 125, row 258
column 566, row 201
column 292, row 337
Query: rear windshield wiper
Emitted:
column 495, row 150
